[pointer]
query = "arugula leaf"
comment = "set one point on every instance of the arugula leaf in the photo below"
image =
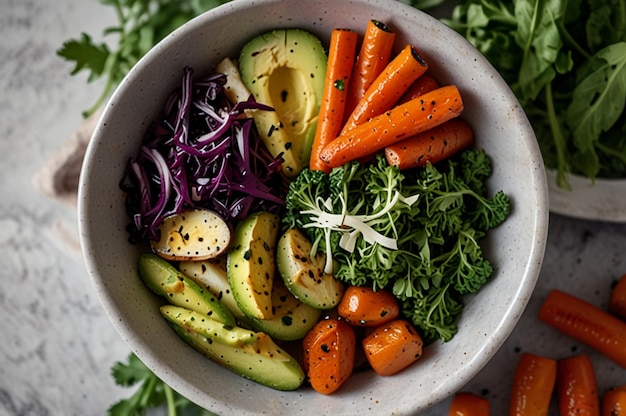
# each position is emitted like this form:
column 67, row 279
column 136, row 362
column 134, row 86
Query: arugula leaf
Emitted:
column 152, row 392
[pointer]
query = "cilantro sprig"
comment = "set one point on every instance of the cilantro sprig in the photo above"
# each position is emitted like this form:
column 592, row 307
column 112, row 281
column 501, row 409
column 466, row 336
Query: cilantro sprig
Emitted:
column 151, row 392
column 141, row 24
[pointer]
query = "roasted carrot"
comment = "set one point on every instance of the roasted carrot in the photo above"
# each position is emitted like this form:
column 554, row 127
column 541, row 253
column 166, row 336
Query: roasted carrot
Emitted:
column 617, row 302
column 468, row 404
column 329, row 350
column 363, row 306
column 421, row 86
column 586, row 323
column 403, row 121
column 373, row 57
column 341, row 55
column 392, row 347
column 388, row 87
column 614, row 402
column 576, row 386
column 533, row 384
column 432, row 145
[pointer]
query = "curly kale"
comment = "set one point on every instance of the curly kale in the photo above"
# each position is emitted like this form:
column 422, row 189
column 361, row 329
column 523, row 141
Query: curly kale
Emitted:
column 436, row 216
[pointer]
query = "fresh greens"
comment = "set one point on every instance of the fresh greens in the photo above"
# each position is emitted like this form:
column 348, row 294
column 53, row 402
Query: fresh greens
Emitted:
column 565, row 60
column 151, row 393
column 436, row 216
column 140, row 25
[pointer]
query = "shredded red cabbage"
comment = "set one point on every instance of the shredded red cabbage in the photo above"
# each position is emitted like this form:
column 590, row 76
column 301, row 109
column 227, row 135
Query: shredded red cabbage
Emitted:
column 202, row 153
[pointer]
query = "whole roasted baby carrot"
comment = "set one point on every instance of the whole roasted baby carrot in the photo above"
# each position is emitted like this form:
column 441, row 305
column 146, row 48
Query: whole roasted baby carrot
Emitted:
column 617, row 302
column 614, row 402
column 392, row 347
column 403, row 121
column 586, row 323
column 432, row 145
column 468, row 404
column 329, row 350
column 420, row 86
column 341, row 55
column 576, row 386
column 372, row 58
column 388, row 87
column 533, row 384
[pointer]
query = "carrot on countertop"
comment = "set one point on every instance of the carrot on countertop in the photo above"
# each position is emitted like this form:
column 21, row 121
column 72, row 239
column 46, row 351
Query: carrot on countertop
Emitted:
column 614, row 402
column 373, row 57
column 432, row 145
column 329, row 350
column 468, row 404
column 586, row 323
column 341, row 55
column 388, row 87
column 533, row 384
column 363, row 306
column 421, row 86
column 403, row 121
column 617, row 302
column 577, row 388
column 392, row 347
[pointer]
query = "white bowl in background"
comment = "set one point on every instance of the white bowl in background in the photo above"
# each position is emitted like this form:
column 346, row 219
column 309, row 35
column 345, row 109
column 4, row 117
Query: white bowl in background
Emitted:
column 516, row 248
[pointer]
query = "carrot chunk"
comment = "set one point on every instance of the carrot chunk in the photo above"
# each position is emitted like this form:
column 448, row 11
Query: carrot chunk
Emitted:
column 363, row 306
column 329, row 352
column 392, row 347
column 533, row 384
column 468, row 404
column 586, row 323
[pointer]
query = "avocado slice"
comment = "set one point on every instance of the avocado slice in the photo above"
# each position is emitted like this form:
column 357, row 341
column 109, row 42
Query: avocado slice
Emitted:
column 285, row 69
column 304, row 275
column 251, row 263
column 212, row 275
column 291, row 318
column 261, row 361
column 166, row 280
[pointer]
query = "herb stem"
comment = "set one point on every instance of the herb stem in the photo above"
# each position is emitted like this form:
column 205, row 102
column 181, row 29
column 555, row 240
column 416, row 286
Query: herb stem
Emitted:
column 570, row 39
column 169, row 398
column 559, row 140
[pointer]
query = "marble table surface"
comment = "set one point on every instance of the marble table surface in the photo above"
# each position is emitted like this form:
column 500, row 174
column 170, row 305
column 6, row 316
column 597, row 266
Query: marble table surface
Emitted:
column 57, row 344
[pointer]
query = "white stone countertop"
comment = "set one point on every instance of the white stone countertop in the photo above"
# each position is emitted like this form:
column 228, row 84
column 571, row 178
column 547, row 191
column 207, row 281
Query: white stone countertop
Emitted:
column 57, row 344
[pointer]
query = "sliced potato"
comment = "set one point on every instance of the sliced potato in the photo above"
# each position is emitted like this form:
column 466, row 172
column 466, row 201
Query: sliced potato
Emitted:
column 197, row 234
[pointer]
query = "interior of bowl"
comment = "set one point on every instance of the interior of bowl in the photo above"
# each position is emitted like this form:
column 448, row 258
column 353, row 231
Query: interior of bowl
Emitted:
column 516, row 248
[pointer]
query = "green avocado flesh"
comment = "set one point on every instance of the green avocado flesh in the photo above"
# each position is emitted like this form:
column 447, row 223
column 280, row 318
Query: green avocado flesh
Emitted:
column 285, row 69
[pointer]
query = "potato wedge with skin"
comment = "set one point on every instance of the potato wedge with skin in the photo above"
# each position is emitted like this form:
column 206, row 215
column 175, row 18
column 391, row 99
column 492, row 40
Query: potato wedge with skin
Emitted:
column 197, row 234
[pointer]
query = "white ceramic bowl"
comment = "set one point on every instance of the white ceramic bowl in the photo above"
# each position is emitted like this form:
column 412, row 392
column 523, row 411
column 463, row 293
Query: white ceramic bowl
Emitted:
column 516, row 248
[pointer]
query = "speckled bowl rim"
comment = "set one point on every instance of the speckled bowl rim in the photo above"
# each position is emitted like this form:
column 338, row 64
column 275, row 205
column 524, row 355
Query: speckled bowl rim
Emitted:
column 516, row 248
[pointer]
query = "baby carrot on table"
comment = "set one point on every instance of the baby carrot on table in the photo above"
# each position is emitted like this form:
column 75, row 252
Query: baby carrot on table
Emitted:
column 468, row 404
column 577, row 388
column 432, row 145
column 372, row 58
column 586, row 323
column 387, row 88
column 614, row 402
column 617, row 302
column 533, row 384
column 341, row 55
column 401, row 122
